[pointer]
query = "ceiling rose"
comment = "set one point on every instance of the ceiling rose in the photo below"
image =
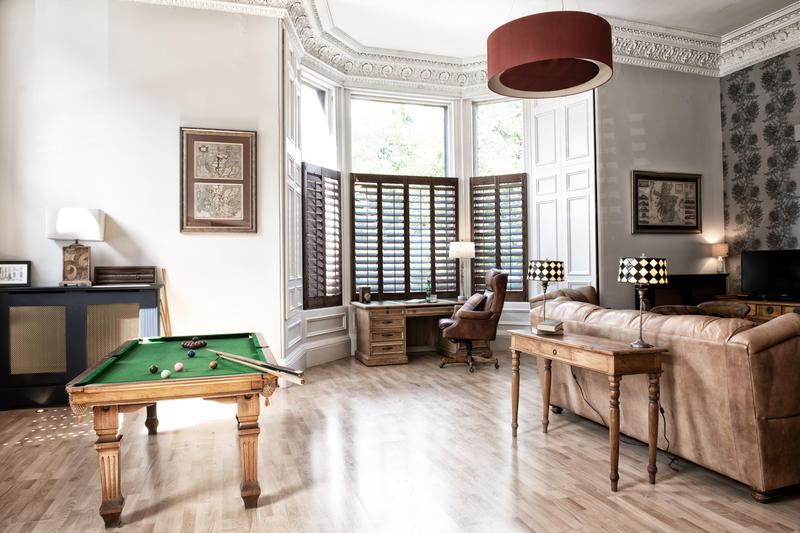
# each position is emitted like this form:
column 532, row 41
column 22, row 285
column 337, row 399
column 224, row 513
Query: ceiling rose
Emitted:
column 551, row 54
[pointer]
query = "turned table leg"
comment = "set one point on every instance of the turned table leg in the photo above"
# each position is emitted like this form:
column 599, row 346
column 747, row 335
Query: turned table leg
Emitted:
column 652, row 425
column 247, row 415
column 546, row 395
column 152, row 420
column 514, row 391
column 613, row 429
column 106, row 425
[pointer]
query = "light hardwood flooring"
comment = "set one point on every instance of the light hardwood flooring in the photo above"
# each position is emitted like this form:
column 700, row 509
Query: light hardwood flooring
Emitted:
column 400, row 448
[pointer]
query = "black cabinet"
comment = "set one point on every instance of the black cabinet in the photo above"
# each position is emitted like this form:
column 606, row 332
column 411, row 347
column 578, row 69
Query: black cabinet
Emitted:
column 48, row 335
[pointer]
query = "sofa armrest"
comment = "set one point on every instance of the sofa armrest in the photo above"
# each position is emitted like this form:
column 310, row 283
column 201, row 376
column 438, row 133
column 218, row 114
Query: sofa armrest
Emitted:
column 774, row 332
column 475, row 315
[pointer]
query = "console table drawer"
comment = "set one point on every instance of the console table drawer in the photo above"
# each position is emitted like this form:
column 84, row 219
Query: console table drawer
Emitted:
column 387, row 348
column 787, row 309
column 430, row 311
column 388, row 335
column 387, row 322
column 768, row 310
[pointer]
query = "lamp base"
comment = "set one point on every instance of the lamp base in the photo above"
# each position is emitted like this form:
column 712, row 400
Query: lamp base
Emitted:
column 639, row 343
column 462, row 298
column 77, row 270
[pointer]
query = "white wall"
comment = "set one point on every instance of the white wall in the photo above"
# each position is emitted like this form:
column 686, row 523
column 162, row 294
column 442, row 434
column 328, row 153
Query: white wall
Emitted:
column 656, row 120
column 92, row 96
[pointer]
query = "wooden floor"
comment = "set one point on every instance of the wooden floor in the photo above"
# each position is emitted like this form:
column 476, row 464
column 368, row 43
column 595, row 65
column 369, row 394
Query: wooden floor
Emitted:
column 401, row 448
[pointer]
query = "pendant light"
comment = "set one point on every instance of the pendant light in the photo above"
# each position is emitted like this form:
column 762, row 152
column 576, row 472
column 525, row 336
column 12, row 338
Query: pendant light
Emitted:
column 550, row 54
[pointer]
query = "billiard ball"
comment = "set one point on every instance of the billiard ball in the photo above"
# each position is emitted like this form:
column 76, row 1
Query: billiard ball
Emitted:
column 165, row 374
column 190, row 353
column 153, row 369
column 212, row 365
column 178, row 367
column 195, row 339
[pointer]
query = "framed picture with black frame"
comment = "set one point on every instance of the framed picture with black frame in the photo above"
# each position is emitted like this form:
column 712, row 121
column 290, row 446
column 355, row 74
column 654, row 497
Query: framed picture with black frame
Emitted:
column 666, row 202
column 15, row 273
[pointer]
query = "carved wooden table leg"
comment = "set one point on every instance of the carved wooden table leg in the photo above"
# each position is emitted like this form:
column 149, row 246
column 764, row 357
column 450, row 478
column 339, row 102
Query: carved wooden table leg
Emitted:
column 247, row 415
column 652, row 425
column 152, row 420
column 106, row 424
column 613, row 429
column 514, row 391
column 546, row 395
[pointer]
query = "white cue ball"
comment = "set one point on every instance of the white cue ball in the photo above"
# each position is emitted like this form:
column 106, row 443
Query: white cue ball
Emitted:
column 165, row 373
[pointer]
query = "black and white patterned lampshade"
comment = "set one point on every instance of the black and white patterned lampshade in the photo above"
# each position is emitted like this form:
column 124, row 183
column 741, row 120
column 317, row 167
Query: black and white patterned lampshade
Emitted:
column 546, row 270
column 643, row 270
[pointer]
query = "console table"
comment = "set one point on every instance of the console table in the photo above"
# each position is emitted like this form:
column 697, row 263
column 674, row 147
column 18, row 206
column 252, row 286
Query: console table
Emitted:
column 764, row 310
column 612, row 358
column 49, row 335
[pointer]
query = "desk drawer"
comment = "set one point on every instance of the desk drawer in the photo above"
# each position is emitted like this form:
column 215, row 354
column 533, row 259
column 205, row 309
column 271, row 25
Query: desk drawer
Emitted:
column 388, row 335
column 388, row 322
column 430, row 311
column 386, row 348
column 788, row 309
column 768, row 310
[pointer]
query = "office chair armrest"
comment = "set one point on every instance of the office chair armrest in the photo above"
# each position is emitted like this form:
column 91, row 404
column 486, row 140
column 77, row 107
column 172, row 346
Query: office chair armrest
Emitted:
column 475, row 315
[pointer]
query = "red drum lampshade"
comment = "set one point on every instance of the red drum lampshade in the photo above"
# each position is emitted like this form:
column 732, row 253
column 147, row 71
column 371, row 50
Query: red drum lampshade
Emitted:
column 557, row 53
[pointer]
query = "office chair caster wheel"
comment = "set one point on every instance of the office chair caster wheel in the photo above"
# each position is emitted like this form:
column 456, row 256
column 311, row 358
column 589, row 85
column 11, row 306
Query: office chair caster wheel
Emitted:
column 441, row 365
column 497, row 365
column 471, row 370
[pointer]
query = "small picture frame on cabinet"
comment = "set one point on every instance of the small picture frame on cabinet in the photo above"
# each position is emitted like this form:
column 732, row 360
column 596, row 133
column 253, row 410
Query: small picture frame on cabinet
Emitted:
column 364, row 295
column 15, row 273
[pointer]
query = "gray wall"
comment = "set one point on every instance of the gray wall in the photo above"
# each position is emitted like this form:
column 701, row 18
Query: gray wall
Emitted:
column 759, row 109
column 664, row 121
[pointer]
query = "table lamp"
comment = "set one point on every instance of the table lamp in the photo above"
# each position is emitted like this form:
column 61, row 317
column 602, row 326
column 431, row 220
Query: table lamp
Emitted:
column 545, row 270
column 642, row 271
column 463, row 251
column 78, row 224
column 720, row 251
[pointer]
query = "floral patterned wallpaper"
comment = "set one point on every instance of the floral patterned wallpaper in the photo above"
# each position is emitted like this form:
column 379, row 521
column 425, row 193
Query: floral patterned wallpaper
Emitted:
column 760, row 158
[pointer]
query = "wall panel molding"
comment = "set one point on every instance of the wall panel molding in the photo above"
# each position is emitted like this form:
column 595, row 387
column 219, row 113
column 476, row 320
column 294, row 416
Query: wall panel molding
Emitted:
column 337, row 55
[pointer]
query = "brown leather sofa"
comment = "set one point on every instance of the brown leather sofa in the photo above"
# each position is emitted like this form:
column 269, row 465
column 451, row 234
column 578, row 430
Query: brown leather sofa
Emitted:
column 730, row 389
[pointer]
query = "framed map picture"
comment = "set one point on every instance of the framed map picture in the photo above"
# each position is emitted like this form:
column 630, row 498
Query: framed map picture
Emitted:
column 666, row 203
column 218, row 181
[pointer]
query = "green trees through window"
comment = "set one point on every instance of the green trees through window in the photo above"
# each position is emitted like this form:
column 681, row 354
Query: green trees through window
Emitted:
column 498, row 138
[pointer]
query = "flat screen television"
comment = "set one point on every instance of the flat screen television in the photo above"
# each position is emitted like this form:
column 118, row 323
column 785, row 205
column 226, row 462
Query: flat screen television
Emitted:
column 771, row 274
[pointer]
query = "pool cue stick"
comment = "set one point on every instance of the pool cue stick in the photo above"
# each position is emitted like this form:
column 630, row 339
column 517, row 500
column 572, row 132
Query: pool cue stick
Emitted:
column 286, row 369
column 168, row 319
column 294, row 378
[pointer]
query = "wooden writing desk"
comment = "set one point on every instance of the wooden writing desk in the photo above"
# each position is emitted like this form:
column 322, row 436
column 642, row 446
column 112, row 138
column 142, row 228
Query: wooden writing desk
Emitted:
column 612, row 358
column 382, row 334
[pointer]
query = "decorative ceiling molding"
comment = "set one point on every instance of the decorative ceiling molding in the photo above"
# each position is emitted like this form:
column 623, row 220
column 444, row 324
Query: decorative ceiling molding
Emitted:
column 329, row 50
column 764, row 38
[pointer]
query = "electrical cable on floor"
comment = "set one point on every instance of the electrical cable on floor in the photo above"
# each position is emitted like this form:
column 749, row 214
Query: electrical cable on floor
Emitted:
column 673, row 458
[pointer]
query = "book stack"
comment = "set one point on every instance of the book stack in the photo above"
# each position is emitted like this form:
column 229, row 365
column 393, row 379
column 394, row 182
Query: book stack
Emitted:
column 549, row 327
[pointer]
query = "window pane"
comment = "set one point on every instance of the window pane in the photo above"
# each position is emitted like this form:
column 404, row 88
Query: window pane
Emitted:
column 396, row 138
column 317, row 139
column 498, row 138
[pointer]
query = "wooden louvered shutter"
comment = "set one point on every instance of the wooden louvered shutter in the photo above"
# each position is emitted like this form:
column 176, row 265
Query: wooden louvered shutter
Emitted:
column 322, row 237
column 499, row 230
column 402, row 228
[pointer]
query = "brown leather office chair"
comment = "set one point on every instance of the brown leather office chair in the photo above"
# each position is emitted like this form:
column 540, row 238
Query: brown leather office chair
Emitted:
column 476, row 320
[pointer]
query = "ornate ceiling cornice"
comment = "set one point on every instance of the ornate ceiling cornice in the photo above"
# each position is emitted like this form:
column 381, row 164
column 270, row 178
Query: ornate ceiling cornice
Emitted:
column 327, row 49
column 766, row 37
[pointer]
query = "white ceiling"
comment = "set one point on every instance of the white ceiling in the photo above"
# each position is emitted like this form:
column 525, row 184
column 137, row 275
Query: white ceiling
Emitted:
column 458, row 28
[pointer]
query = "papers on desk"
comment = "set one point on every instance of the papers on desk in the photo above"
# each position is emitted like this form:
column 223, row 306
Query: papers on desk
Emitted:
column 416, row 301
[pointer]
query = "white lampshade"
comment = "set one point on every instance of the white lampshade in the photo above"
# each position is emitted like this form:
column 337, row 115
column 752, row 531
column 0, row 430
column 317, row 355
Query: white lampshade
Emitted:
column 75, row 223
column 462, row 250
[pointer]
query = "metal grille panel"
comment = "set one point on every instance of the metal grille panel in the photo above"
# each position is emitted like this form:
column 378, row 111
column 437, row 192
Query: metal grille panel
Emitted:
column 108, row 326
column 38, row 339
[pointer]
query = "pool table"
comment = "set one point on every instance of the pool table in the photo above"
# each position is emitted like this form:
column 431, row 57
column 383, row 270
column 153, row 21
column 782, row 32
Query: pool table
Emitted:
column 122, row 382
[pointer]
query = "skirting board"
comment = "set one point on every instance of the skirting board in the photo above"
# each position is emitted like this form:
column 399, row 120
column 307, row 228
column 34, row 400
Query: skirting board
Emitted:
column 318, row 353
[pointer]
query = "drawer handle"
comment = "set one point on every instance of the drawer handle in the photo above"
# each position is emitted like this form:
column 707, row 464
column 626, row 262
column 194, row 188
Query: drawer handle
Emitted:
column 387, row 348
column 555, row 352
column 797, row 310
column 387, row 335
column 387, row 322
column 770, row 309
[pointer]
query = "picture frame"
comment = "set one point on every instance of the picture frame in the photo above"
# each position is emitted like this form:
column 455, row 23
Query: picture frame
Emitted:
column 218, row 181
column 15, row 273
column 666, row 202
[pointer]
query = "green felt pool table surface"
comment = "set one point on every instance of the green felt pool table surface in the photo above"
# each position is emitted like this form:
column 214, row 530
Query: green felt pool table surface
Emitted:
column 132, row 362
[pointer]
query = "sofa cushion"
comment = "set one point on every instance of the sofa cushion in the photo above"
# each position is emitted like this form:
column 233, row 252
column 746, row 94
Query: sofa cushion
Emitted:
column 725, row 309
